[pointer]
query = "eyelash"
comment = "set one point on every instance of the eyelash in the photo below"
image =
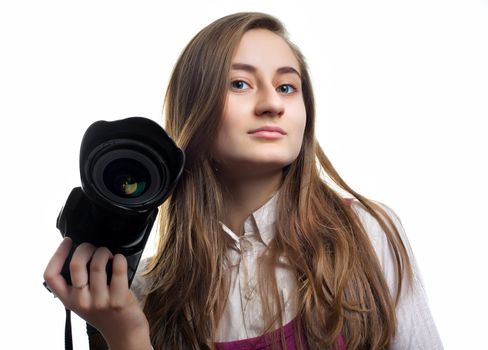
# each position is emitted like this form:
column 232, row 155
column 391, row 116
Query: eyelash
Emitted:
column 233, row 86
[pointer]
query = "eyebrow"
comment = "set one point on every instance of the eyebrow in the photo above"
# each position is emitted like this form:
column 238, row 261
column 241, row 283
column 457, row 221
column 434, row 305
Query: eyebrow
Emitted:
column 252, row 69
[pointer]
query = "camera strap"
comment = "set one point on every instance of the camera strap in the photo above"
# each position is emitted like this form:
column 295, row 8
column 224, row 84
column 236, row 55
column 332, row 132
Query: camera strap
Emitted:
column 68, row 338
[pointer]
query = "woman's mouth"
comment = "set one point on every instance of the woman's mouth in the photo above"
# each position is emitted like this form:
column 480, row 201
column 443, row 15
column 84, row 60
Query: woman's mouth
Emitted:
column 268, row 132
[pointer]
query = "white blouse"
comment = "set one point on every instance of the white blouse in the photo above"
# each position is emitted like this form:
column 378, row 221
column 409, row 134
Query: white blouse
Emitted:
column 242, row 317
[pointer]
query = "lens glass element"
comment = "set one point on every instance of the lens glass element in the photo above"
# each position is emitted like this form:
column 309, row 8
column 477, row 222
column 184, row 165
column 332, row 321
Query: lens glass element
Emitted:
column 126, row 178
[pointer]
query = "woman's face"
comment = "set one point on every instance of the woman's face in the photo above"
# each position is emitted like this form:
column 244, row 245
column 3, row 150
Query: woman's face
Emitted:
column 264, row 116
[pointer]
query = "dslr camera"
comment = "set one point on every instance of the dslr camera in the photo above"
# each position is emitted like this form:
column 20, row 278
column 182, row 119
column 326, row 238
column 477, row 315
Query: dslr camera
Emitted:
column 128, row 168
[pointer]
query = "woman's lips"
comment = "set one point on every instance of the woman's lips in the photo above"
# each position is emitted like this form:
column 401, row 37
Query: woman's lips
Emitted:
column 268, row 132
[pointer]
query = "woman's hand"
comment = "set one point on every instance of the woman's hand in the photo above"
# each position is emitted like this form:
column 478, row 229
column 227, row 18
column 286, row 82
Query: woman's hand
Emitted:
column 112, row 309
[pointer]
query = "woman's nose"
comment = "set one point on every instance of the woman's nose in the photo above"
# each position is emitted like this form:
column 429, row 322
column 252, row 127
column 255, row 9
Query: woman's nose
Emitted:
column 269, row 103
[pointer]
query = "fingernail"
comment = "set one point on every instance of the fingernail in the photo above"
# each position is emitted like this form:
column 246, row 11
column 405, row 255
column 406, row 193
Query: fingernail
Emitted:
column 47, row 287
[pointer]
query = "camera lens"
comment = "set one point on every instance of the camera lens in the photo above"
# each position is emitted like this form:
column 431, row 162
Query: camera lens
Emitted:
column 126, row 178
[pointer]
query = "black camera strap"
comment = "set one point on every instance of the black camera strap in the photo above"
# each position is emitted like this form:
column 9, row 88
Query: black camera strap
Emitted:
column 68, row 337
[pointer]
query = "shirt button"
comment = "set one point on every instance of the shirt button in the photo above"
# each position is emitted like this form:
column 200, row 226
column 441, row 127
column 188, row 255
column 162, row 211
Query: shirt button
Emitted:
column 249, row 292
column 246, row 246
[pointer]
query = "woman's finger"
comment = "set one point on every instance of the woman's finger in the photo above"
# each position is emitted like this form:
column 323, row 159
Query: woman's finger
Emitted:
column 52, row 274
column 119, row 285
column 98, row 277
column 78, row 266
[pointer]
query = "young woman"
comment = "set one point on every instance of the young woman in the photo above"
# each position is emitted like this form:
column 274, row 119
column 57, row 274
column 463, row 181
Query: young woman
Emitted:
column 257, row 249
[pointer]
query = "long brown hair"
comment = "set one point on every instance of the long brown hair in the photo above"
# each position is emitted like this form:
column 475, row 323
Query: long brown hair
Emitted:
column 341, row 286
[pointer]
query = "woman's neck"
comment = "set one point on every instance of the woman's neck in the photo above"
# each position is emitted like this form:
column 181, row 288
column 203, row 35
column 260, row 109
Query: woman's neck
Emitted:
column 244, row 194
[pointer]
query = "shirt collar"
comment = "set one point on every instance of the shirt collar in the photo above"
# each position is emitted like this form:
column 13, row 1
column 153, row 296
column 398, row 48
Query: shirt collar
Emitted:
column 260, row 222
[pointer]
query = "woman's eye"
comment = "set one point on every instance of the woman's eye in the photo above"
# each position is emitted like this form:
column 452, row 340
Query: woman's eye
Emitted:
column 239, row 85
column 286, row 89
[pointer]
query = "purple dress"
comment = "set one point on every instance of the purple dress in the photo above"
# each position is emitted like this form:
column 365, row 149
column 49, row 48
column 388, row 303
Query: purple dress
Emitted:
column 264, row 342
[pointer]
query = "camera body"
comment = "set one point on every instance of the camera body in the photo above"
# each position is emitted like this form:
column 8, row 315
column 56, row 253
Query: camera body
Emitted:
column 128, row 168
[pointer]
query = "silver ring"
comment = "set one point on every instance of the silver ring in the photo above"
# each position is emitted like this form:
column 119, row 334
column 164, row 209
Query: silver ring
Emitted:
column 81, row 287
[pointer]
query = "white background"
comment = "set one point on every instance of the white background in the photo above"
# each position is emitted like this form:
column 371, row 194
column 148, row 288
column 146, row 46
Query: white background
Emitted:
column 401, row 89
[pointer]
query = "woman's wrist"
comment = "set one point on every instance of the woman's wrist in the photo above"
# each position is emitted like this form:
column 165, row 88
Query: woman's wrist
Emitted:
column 137, row 340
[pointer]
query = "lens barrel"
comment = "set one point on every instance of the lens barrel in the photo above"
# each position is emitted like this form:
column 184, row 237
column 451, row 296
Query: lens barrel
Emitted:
column 129, row 165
